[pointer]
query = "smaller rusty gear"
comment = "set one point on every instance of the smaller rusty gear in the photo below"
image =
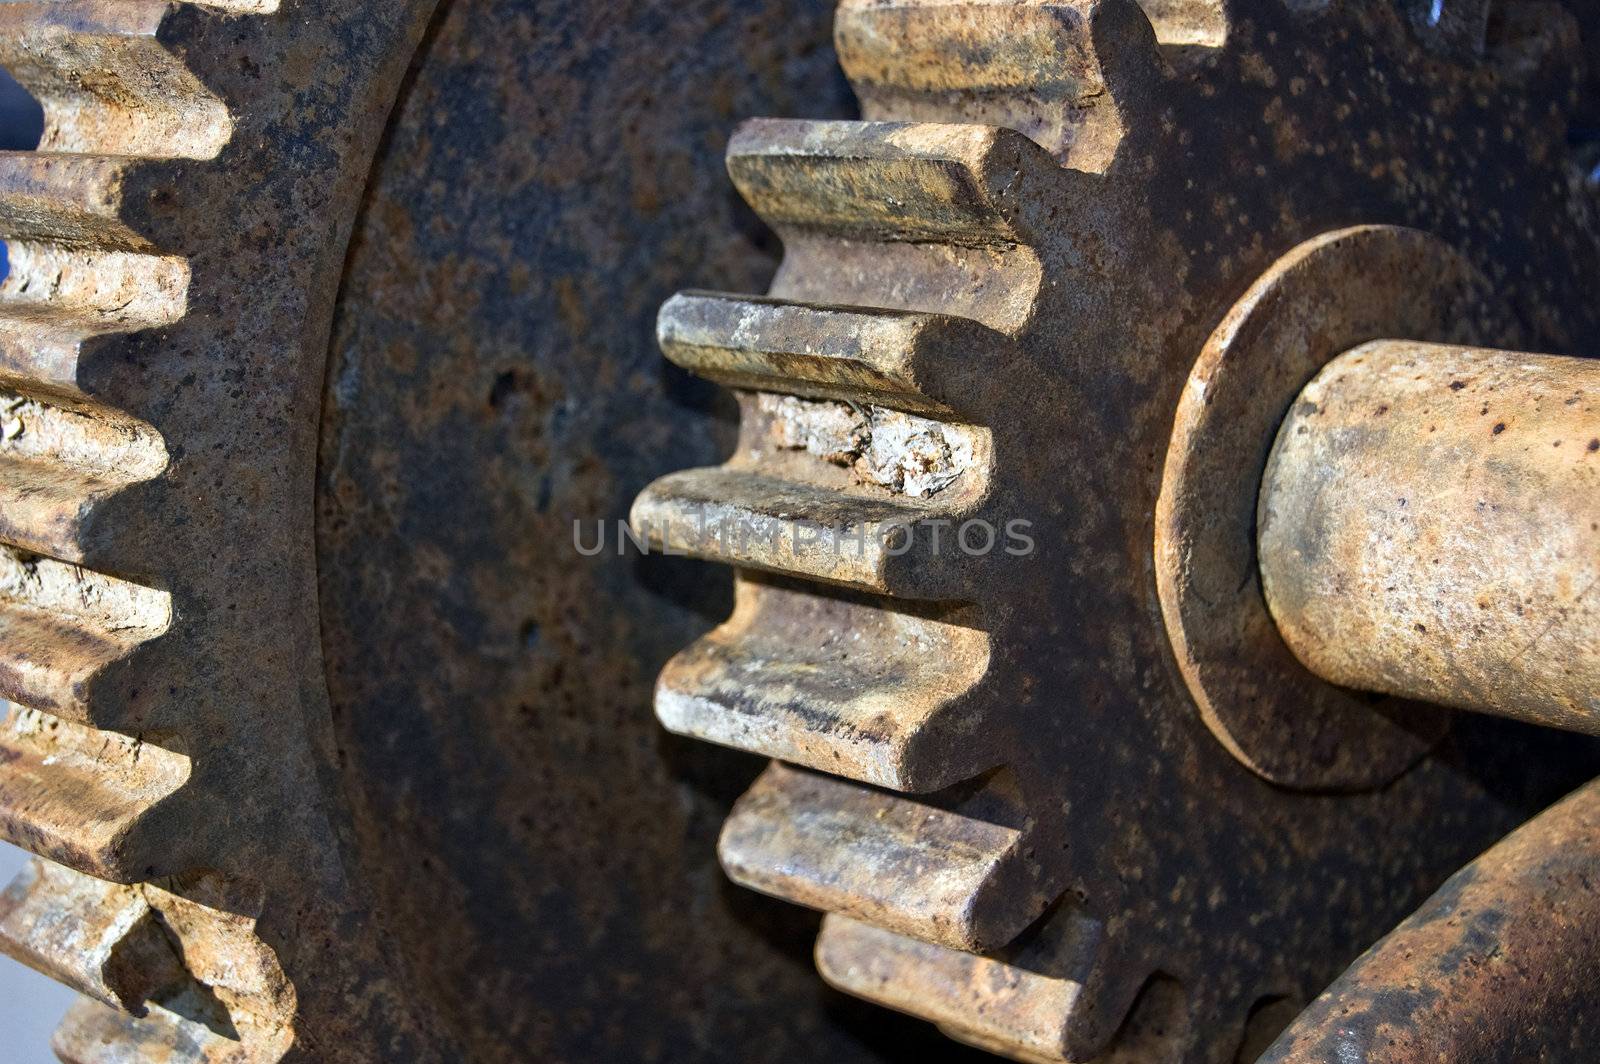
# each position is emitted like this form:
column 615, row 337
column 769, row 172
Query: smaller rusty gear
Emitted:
column 991, row 770
column 159, row 329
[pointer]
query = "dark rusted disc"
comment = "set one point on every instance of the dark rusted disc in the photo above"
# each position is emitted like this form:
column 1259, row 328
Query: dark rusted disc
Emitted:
column 1323, row 298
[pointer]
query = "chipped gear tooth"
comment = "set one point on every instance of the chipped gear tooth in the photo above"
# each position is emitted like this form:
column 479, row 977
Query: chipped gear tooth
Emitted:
column 102, row 939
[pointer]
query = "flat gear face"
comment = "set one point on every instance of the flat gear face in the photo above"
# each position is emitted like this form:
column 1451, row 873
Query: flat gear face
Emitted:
column 990, row 768
column 352, row 764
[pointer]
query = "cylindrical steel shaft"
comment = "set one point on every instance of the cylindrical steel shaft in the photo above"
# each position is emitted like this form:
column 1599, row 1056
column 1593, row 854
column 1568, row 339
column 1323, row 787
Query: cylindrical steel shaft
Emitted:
column 1429, row 527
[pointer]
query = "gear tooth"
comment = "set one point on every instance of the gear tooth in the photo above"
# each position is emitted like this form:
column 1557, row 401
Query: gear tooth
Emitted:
column 1059, row 72
column 93, row 1033
column 77, row 293
column 920, row 217
column 1188, row 24
column 883, row 181
column 66, row 199
column 885, row 704
column 62, row 628
column 101, row 939
column 999, row 1006
column 60, row 461
column 82, row 797
column 106, row 84
column 749, row 519
column 1046, row 1000
column 858, row 354
column 915, row 868
column 56, row 298
column 240, row 7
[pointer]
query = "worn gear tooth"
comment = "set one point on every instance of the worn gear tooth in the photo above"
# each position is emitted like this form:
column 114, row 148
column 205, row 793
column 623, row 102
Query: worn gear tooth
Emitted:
column 922, row 217
column 838, row 683
column 63, row 629
column 858, row 354
column 923, row 182
column 755, row 521
column 1004, row 1008
column 107, row 86
column 1061, row 72
column 79, row 293
column 67, row 199
column 81, row 797
column 101, row 939
column 56, row 297
column 1182, row 24
column 93, row 1033
column 912, row 867
column 60, row 460
column 1051, row 998
column 240, row 7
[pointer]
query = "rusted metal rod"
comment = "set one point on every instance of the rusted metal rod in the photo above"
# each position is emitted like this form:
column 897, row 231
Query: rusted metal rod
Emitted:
column 1499, row 965
column 1429, row 527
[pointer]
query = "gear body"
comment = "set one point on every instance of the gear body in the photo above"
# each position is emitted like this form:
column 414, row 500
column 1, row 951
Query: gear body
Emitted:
column 1041, row 846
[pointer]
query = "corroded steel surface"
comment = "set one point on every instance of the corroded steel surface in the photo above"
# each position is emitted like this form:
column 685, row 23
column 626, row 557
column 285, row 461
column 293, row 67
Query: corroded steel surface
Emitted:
column 1498, row 965
column 551, row 173
column 1080, row 193
column 1430, row 527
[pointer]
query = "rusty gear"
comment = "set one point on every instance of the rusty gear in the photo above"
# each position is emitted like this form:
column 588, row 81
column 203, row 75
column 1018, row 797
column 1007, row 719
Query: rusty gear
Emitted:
column 991, row 770
column 247, row 856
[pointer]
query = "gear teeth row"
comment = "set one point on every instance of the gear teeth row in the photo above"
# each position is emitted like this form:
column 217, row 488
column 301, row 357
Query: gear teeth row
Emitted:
column 83, row 798
column 1060, row 72
column 1031, row 1006
column 907, row 261
column 937, row 874
column 69, row 792
column 114, row 99
column 835, row 683
column 106, row 84
column 100, row 939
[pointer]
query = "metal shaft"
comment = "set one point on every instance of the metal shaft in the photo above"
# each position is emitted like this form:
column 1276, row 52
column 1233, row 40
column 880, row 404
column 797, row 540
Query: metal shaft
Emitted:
column 1429, row 527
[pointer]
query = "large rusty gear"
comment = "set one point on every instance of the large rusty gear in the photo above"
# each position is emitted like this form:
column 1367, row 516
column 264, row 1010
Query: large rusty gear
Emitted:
column 1032, row 820
column 246, row 856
